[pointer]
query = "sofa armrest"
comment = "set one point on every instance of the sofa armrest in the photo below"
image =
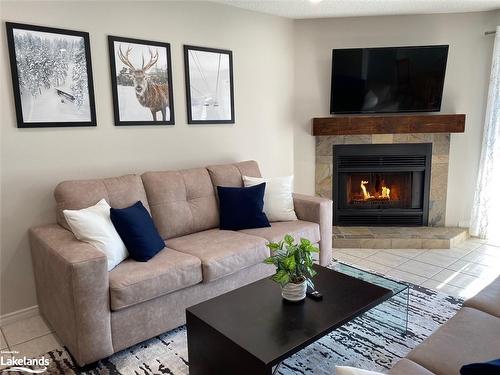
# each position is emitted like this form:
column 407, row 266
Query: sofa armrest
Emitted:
column 317, row 210
column 73, row 291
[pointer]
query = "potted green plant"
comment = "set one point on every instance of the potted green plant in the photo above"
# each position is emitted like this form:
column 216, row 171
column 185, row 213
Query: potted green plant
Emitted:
column 294, row 266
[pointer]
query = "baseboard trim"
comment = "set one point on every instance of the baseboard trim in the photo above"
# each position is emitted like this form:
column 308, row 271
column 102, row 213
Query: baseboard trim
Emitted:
column 18, row 315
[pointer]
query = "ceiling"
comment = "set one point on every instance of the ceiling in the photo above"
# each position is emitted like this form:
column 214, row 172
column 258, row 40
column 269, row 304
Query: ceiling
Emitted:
column 298, row 9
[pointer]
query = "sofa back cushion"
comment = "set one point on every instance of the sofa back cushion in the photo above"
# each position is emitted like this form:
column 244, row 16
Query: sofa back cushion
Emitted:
column 119, row 192
column 181, row 202
column 230, row 175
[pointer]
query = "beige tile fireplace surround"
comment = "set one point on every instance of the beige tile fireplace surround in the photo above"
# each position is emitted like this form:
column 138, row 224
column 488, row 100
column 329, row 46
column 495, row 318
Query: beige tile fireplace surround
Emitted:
column 439, row 169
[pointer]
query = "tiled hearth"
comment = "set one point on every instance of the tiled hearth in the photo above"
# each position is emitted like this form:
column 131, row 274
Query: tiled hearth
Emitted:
column 398, row 237
column 439, row 168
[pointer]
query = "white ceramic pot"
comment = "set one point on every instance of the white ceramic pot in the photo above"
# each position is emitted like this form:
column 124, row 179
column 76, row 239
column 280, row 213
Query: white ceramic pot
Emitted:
column 294, row 292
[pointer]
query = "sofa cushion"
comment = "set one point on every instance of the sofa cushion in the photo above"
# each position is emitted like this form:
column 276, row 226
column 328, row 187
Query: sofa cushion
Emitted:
column 488, row 299
column 470, row 336
column 93, row 225
column 242, row 208
column 222, row 252
column 134, row 282
column 137, row 230
column 406, row 367
column 297, row 229
column 119, row 192
column 181, row 202
column 231, row 175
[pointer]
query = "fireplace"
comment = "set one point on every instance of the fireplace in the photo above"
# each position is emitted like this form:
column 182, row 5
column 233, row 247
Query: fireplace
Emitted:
column 381, row 184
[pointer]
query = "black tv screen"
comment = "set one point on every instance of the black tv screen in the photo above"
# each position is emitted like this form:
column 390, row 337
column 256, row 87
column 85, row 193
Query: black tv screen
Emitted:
column 385, row 80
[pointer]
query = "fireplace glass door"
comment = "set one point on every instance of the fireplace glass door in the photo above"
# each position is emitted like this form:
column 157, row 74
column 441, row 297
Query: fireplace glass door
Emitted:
column 381, row 184
column 381, row 190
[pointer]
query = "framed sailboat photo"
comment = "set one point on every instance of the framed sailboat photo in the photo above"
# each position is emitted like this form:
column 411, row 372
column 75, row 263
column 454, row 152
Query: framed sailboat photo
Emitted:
column 209, row 85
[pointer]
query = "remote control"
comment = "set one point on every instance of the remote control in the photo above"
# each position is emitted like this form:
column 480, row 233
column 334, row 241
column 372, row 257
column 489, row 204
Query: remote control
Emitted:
column 314, row 294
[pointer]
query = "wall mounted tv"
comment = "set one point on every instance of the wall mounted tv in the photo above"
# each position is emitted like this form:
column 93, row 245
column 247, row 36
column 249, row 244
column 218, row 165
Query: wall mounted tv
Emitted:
column 388, row 80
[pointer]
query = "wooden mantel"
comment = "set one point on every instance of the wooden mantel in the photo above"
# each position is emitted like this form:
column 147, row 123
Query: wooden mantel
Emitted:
column 388, row 124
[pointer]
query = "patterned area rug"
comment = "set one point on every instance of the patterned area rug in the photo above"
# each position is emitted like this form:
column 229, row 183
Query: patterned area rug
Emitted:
column 371, row 342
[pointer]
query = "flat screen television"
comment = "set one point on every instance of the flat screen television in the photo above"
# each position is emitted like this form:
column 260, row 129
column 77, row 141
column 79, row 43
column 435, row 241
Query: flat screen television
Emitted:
column 388, row 80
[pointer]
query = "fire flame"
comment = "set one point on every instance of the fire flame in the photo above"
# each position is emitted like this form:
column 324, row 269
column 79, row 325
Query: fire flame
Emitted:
column 386, row 192
column 366, row 194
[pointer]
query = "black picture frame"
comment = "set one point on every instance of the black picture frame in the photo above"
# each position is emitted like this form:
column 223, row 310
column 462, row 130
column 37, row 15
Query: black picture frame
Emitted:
column 65, row 96
column 187, row 49
column 114, row 82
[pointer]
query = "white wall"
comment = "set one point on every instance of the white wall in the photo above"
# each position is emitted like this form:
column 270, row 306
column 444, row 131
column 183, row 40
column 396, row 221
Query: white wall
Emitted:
column 33, row 161
column 465, row 88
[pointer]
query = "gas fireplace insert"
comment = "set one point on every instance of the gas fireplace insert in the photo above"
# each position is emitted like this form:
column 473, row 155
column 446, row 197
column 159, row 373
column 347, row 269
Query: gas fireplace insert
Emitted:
column 381, row 184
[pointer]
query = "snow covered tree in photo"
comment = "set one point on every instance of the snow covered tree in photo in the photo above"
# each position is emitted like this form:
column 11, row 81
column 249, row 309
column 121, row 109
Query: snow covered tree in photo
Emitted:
column 60, row 65
column 52, row 75
column 79, row 86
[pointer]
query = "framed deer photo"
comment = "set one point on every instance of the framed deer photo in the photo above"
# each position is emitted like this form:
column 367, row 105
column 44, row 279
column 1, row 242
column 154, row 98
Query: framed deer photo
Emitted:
column 51, row 76
column 141, row 76
column 209, row 85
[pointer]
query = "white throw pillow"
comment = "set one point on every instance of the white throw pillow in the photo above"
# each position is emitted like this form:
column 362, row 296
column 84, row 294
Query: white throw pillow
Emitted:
column 93, row 225
column 278, row 200
column 346, row 370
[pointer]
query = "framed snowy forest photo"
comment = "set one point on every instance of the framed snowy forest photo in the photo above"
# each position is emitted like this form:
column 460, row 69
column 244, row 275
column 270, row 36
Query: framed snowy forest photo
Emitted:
column 141, row 82
column 209, row 85
column 51, row 76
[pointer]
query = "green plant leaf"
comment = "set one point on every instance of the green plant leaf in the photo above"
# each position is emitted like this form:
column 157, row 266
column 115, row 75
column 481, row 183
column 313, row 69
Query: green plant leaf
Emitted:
column 270, row 260
column 289, row 262
column 305, row 242
column 281, row 277
column 293, row 261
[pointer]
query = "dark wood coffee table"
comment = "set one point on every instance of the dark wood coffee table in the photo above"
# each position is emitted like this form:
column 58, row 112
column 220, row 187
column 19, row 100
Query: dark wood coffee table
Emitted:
column 252, row 329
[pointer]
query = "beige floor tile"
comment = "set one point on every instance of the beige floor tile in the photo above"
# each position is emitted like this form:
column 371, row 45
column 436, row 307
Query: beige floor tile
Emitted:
column 480, row 258
column 453, row 252
column 372, row 266
column 360, row 253
column 405, row 276
column 36, row 347
column 344, row 257
column 3, row 342
column 443, row 287
column 478, row 240
column 469, row 245
column 431, row 257
column 489, row 250
column 387, row 259
column 492, row 242
column 25, row 330
column 474, row 269
column 407, row 253
column 455, row 278
column 419, row 268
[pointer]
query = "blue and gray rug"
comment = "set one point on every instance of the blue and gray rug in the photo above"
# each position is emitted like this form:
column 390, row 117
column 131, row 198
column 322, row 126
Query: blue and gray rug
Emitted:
column 371, row 342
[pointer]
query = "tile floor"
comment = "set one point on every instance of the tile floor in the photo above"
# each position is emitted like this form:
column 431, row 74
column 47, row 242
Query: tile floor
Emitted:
column 460, row 271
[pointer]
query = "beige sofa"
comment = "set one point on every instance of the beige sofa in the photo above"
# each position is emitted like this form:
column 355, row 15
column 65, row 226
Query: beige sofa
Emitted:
column 97, row 313
column 472, row 335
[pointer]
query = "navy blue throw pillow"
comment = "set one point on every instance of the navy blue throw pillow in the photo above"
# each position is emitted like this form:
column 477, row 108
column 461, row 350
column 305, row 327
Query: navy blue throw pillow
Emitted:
column 486, row 368
column 241, row 208
column 137, row 231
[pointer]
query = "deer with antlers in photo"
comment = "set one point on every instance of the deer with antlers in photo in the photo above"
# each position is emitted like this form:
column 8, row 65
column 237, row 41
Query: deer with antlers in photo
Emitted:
column 151, row 95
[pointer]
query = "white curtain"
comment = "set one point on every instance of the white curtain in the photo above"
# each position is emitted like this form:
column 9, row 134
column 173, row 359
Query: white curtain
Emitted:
column 485, row 220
